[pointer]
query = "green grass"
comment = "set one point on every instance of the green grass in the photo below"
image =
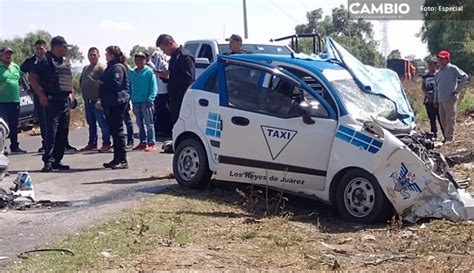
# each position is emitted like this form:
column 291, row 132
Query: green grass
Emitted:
column 217, row 229
column 416, row 97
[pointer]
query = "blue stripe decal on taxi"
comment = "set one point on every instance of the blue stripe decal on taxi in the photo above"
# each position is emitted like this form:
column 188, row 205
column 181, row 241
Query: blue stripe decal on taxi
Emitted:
column 358, row 139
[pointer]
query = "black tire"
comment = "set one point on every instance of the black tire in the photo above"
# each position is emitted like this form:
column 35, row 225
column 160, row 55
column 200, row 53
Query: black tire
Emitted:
column 190, row 165
column 368, row 203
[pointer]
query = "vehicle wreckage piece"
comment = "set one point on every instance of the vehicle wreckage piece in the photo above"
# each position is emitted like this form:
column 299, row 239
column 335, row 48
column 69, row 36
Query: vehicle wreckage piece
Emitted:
column 21, row 192
column 423, row 186
column 460, row 157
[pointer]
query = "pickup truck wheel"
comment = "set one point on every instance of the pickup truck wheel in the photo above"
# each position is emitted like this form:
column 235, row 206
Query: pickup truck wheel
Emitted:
column 360, row 199
column 190, row 165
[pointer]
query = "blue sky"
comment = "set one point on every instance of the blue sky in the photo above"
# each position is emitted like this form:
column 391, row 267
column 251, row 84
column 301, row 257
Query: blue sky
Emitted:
column 125, row 23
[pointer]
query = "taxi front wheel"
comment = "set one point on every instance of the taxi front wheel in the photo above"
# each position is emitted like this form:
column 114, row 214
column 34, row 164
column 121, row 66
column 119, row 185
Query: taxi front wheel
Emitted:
column 360, row 199
column 190, row 165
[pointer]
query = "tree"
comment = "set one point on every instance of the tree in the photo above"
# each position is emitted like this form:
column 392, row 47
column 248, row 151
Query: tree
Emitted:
column 23, row 47
column 394, row 54
column 138, row 48
column 450, row 31
column 355, row 35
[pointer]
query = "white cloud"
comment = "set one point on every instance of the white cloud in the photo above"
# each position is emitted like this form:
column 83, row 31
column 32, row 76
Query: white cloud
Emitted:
column 116, row 26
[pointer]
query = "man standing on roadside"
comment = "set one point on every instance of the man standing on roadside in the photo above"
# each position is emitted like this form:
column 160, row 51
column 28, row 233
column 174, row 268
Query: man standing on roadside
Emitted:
column 40, row 49
column 450, row 81
column 180, row 75
column 162, row 114
column 90, row 84
column 428, row 86
column 51, row 79
column 10, row 97
column 235, row 45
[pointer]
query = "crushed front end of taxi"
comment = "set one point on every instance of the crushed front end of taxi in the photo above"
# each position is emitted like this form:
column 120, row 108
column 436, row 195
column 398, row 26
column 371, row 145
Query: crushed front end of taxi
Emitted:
column 417, row 179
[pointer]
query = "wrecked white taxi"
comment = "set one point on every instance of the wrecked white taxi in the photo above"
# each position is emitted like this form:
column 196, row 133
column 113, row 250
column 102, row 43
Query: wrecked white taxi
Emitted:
column 326, row 127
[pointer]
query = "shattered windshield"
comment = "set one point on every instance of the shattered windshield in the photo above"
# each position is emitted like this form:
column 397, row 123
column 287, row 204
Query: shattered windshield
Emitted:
column 362, row 105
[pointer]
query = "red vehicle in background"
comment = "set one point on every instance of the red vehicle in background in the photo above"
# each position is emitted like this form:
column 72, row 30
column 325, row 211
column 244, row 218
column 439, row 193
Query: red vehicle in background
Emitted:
column 403, row 67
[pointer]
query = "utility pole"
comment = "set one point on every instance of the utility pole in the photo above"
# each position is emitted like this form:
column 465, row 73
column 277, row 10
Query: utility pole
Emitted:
column 246, row 34
column 385, row 48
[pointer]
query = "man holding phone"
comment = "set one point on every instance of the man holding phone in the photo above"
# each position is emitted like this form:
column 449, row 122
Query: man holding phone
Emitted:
column 90, row 92
column 163, row 124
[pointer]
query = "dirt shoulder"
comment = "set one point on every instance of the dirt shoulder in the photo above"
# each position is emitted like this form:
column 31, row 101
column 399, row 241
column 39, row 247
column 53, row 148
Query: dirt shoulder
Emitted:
column 229, row 228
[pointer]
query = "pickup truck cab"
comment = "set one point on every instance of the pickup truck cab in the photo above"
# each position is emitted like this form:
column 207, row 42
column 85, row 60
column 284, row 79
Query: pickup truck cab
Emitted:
column 205, row 51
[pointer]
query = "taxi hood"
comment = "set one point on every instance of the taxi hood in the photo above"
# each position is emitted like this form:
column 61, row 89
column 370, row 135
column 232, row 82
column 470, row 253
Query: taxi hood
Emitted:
column 380, row 81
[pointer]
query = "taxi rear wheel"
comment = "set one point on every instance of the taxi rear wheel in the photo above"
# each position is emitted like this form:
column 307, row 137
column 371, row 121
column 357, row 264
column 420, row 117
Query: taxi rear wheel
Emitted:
column 360, row 199
column 190, row 165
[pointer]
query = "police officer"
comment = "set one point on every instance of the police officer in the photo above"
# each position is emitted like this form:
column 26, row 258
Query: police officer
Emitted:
column 40, row 49
column 51, row 79
column 180, row 75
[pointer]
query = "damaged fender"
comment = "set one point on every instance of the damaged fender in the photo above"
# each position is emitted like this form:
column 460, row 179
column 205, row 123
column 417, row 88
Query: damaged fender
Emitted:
column 416, row 191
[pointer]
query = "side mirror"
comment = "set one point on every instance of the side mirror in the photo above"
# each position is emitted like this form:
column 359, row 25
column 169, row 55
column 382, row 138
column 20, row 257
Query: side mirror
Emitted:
column 202, row 61
column 305, row 109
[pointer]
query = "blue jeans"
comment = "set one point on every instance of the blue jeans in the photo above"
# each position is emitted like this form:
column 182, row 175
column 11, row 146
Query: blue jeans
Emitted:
column 94, row 116
column 144, row 115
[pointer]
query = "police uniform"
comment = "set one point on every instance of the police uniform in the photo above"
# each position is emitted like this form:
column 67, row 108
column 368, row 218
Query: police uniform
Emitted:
column 182, row 73
column 55, row 78
column 115, row 96
column 26, row 67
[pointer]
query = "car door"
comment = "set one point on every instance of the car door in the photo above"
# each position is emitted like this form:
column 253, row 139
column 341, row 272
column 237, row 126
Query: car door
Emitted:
column 264, row 139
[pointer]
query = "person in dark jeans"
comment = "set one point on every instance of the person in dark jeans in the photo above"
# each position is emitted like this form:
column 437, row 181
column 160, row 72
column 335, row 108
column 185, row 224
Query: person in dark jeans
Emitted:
column 51, row 79
column 162, row 113
column 428, row 87
column 129, row 125
column 115, row 97
column 180, row 75
column 40, row 49
column 10, row 97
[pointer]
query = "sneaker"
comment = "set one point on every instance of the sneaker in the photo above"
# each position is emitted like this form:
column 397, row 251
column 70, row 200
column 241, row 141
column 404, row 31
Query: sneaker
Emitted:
column 129, row 144
column 140, row 147
column 17, row 151
column 117, row 166
column 150, row 148
column 47, row 168
column 89, row 148
column 105, row 148
column 60, row 167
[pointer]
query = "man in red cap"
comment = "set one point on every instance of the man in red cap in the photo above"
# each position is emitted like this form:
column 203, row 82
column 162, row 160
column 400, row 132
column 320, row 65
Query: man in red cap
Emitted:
column 450, row 81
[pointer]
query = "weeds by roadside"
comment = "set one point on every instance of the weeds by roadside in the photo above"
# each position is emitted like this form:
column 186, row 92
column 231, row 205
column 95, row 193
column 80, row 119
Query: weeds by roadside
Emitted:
column 229, row 227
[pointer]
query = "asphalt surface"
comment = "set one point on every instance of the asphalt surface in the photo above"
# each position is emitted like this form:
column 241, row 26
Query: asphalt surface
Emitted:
column 95, row 194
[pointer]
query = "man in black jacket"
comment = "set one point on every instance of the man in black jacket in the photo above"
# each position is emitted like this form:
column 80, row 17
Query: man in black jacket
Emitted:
column 51, row 79
column 40, row 49
column 180, row 74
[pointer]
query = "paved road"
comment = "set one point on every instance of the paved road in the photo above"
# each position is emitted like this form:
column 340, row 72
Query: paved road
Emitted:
column 97, row 193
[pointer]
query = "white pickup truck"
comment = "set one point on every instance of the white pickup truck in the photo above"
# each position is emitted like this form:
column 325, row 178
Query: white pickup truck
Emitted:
column 206, row 50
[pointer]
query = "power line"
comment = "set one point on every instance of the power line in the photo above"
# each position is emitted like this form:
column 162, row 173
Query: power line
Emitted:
column 285, row 12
